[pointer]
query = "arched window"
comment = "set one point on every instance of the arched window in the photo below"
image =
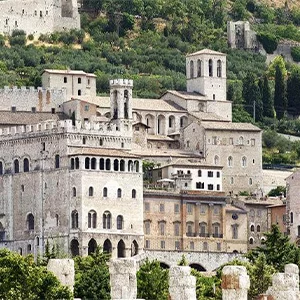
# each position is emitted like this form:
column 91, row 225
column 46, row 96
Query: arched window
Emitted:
column 133, row 193
column 219, row 68
column 107, row 164
column 120, row 222
column 93, row 163
column 250, row 181
column 251, row 241
column 105, row 192
column 119, row 193
column 26, row 165
column 91, row 191
column 252, row 228
column 121, row 249
column 122, row 165
column 202, row 229
column 244, row 161
column 87, row 163
column 162, row 227
column 30, row 222
column 57, row 219
column 74, row 219
column 101, row 164
column 76, row 163
column 74, row 248
column 130, row 166
column 210, row 68
column 92, row 246
column 72, row 164
column 230, row 161
column 16, row 166
column 107, row 246
column 216, row 160
column 92, row 219
column 74, row 192
column 134, row 248
column 192, row 69
column 258, row 228
column 292, row 217
column 29, row 248
column 106, row 220
column 1, row 168
column 116, row 165
column 136, row 166
column 241, row 140
column 199, row 71
column 57, row 161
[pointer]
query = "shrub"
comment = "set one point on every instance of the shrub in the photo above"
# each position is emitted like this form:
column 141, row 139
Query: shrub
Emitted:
column 269, row 41
column 295, row 51
column 30, row 37
column 18, row 37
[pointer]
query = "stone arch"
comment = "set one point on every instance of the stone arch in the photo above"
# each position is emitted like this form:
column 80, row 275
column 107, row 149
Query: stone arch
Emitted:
column 164, row 265
column 198, row 267
column 134, row 248
column 161, row 125
column 92, row 246
column 121, row 249
column 107, row 246
column 150, row 121
column 74, row 247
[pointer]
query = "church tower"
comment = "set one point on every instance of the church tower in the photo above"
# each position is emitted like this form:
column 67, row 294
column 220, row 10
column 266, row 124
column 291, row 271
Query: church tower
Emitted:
column 206, row 74
column 121, row 102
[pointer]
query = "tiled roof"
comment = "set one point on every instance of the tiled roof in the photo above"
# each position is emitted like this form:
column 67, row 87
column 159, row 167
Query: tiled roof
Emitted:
column 24, row 118
column 73, row 150
column 229, row 126
column 152, row 137
column 186, row 95
column 68, row 72
column 205, row 116
column 190, row 162
column 206, row 51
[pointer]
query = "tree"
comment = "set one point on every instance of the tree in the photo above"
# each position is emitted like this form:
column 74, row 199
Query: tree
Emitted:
column 92, row 276
column 280, row 102
column 267, row 100
column 293, row 92
column 251, row 94
column 21, row 278
column 277, row 249
column 152, row 281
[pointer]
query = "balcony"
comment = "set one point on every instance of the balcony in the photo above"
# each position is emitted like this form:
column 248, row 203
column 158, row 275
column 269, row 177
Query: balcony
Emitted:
column 204, row 234
column 181, row 176
column 219, row 235
column 191, row 234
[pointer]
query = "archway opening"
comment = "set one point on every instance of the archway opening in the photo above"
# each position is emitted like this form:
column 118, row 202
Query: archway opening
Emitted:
column 92, row 246
column 121, row 249
column 74, row 248
column 164, row 265
column 107, row 247
column 134, row 248
column 198, row 267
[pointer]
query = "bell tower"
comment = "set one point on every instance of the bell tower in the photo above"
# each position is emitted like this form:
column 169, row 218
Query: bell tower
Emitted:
column 121, row 102
column 206, row 74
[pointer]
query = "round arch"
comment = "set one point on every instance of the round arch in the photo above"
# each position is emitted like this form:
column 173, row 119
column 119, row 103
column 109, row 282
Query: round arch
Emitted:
column 92, row 246
column 198, row 267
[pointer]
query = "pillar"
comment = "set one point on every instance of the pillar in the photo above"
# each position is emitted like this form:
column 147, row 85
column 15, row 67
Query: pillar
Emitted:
column 182, row 285
column 235, row 283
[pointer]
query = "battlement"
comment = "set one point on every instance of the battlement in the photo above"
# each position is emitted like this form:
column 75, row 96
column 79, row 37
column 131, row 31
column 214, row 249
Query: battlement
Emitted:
column 65, row 126
column 121, row 82
column 30, row 89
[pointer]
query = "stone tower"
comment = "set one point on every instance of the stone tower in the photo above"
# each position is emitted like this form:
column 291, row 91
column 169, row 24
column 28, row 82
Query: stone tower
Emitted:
column 206, row 74
column 121, row 102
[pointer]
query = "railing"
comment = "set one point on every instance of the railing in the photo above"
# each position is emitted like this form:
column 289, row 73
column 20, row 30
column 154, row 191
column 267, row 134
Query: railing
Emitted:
column 204, row 234
column 191, row 234
column 219, row 235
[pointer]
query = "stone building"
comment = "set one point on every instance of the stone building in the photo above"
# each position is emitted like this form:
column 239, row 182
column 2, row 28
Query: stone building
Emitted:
column 76, row 186
column 277, row 216
column 37, row 17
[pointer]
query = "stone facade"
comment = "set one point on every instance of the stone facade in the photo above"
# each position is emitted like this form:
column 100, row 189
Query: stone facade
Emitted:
column 37, row 17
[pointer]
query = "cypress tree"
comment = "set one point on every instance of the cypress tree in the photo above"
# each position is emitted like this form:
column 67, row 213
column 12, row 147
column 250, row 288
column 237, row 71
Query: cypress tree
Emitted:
column 267, row 100
column 280, row 101
column 293, row 93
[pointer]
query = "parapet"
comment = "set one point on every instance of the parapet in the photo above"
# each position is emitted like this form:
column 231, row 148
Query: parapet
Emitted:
column 63, row 126
column 29, row 89
column 121, row 82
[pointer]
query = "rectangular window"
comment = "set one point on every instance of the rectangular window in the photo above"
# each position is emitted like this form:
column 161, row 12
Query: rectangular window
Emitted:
column 176, row 208
column 177, row 245
column 216, row 209
column 192, row 246
column 53, row 110
column 202, row 209
column 210, row 174
column 219, row 246
column 161, row 207
column 162, row 244
column 218, row 174
column 65, row 79
column 200, row 185
column 79, row 93
column 33, row 109
column 41, row 14
column 230, row 141
column 210, row 187
column 214, row 140
column 13, row 109
column 218, row 187
column 162, row 228
column 79, row 80
column 189, row 208
column 147, row 227
column 176, row 229
column 252, row 142
column 86, row 108
column 147, row 244
column 147, row 206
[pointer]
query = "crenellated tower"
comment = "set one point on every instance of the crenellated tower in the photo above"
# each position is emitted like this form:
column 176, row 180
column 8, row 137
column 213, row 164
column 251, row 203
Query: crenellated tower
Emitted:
column 121, row 102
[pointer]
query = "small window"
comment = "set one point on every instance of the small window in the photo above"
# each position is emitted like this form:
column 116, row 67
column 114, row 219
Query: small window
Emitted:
column 133, row 193
column 147, row 244
column 57, row 161
column 79, row 93
column 161, row 207
column 13, row 109
column 210, row 174
column 205, row 246
column 219, row 246
column 86, row 108
column 74, row 219
column 119, row 193
column 177, row 245
column 33, row 109
column 30, row 222
column 65, row 80
column 189, row 208
column 202, row 209
column 16, row 166
column 79, row 80
column 74, row 192
column 16, row 23
column 88, row 81
column 120, row 222
column 41, row 14
column 199, row 173
column 35, row 13
column 218, row 187
column 210, row 187
column 91, row 191
column 147, row 227
column 53, row 111
column 84, row 141
column 105, row 192
column 46, row 12
column 218, row 174
column 176, row 208
column 162, row 244
column 26, row 165
column 147, row 206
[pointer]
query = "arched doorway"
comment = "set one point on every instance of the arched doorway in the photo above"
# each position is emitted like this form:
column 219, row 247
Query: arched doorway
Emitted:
column 164, row 265
column 121, row 249
column 92, row 246
column 198, row 267
column 107, row 247
column 134, row 248
column 74, row 248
